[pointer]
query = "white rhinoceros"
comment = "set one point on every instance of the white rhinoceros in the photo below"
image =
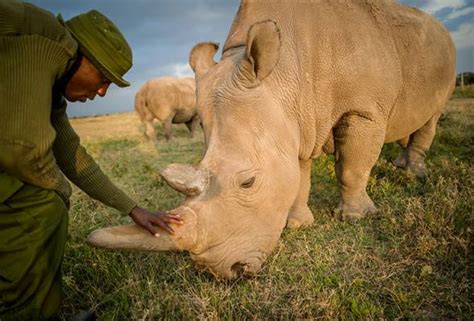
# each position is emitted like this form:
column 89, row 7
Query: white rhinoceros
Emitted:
column 171, row 101
column 298, row 79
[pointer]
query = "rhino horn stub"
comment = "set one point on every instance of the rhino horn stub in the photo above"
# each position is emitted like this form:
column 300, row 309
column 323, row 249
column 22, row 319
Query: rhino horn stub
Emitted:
column 201, row 57
column 186, row 179
column 134, row 237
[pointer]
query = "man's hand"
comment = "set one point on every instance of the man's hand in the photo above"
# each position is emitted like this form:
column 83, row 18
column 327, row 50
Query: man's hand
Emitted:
column 150, row 220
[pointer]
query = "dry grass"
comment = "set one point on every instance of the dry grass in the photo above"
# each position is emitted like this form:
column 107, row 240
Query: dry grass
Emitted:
column 113, row 126
column 412, row 260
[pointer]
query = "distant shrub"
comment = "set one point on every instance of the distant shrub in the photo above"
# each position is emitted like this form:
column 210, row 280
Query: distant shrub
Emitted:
column 468, row 78
column 467, row 93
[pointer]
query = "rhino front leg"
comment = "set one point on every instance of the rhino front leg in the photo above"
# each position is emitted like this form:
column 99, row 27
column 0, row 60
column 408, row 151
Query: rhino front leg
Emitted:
column 300, row 214
column 358, row 142
column 413, row 156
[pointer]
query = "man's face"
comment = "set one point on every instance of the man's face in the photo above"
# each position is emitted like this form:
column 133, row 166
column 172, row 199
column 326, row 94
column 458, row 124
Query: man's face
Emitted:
column 86, row 83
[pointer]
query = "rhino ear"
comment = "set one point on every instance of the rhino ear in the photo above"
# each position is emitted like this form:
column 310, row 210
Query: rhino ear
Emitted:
column 201, row 57
column 263, row 49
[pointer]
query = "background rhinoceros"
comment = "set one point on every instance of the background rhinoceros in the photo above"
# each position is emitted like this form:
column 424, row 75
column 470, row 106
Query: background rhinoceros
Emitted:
column 296, row 79
column 169, row 100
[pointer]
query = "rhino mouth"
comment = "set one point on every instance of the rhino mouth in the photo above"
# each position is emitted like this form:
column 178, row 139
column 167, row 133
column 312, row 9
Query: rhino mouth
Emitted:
column 249, row 267
column 229, row 267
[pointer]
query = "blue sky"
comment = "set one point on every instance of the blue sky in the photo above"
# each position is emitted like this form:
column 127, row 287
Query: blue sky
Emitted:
column 162, row 32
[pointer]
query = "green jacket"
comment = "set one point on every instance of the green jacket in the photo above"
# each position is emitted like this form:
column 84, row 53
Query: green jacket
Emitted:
column 37, row 143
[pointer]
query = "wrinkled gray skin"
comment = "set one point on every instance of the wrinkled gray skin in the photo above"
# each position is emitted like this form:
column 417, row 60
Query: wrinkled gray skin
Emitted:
column 169, row 100
column 298, row 79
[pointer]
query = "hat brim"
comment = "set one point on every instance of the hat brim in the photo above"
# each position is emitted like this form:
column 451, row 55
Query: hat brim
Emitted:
column 116, row 79
column 119, row 81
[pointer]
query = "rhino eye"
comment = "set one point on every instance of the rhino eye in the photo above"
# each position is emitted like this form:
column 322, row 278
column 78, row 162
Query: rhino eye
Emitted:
column 248, row 183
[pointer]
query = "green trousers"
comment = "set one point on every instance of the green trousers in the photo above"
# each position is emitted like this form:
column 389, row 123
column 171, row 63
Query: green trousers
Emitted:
column 33, row 232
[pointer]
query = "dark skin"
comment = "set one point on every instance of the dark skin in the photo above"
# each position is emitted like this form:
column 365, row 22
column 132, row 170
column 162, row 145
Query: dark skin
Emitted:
column 153, row 220
column 85, row 83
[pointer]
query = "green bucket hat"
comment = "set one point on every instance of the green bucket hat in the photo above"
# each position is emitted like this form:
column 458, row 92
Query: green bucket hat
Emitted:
column 102, row 43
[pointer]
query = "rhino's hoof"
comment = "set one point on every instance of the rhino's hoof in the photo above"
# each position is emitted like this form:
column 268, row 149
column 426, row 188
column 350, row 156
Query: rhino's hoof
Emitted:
column 352, row 215
column 299, row 217
column 293, row 223
column 400, row 162
column 348, row 216
column 417, row 168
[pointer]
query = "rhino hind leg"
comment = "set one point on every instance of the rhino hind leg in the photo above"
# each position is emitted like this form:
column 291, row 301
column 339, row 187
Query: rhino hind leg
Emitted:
column 149, row 130
column 414, row 152
column 401, row 161
column 300, row 214
column 167, row 127
column 192, row 125
column 358, row 142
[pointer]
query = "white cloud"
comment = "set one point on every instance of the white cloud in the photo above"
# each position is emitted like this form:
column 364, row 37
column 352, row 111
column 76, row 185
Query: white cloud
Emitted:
column 459, row 13
column 205, row 14
column 464, row 36
column 182, row 70
column 433, row 6
column 153, row 71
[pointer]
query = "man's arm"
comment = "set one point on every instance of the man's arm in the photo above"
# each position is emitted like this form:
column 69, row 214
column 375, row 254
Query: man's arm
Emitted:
column 83, row 171
column 81, row 168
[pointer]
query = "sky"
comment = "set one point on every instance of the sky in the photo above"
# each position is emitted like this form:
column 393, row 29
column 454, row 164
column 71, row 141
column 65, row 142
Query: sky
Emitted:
column 162, row 33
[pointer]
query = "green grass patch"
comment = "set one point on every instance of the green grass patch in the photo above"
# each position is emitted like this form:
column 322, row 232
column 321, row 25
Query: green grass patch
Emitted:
column 412, row 260
column 468, row 92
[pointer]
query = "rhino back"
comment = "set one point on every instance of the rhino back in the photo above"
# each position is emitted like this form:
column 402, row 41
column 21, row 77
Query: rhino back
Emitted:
column 427, row 62
column 168, row 96
column 345, row 56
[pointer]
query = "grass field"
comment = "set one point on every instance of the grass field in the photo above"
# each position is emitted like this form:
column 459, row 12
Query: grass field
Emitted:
column 468, row 92
column 412, row 260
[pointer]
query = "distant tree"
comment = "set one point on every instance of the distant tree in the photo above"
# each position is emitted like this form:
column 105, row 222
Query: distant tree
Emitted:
column 468, row 78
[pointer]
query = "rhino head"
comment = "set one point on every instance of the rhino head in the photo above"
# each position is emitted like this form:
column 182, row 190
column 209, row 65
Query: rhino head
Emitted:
column 239, row 195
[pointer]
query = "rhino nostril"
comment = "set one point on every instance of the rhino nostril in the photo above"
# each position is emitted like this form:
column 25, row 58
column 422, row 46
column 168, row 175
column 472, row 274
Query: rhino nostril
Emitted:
column 238, row 268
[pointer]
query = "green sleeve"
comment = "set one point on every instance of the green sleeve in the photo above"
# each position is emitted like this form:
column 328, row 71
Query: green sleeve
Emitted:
column 37, row 144
column 79, row 166
column 34, row 52
column 28, row 69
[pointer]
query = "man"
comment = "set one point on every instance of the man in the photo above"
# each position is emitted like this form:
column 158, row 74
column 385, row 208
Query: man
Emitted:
column 43, row 61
